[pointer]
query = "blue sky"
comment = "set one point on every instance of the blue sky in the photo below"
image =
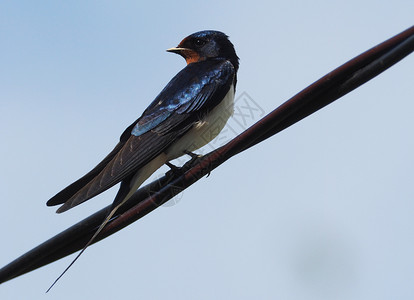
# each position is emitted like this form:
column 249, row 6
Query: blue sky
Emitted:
column 323, row 210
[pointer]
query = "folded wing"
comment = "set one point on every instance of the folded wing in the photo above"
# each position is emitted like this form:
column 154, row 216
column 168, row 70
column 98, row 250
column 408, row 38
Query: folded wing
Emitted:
column 190, row 94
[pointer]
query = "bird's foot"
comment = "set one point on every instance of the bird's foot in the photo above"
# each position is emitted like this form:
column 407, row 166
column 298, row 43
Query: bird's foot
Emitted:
column 194, row 159
column 174, row 169
column 177, row 171
column 193, row 155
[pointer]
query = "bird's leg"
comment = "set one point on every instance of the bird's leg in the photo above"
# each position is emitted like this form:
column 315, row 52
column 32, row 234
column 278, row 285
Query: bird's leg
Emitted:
column 181, row 170
column 192, row 161
column 172, row 167
column 193, row 155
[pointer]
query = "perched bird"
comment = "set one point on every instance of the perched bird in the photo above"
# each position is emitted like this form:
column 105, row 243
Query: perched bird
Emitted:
column 187, row 114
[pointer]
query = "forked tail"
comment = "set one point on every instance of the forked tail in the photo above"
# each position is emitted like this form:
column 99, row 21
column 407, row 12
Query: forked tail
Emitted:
column 88, row 243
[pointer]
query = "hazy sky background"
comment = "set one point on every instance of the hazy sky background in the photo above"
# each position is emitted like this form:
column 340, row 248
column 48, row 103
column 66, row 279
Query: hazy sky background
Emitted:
column 323, row 210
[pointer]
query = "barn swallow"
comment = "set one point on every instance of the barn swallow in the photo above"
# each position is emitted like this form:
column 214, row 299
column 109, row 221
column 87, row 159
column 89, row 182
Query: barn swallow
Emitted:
column 175, row 123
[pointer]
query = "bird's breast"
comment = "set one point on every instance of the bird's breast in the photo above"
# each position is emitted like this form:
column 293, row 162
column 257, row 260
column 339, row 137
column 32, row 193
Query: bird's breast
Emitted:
column 206, row 129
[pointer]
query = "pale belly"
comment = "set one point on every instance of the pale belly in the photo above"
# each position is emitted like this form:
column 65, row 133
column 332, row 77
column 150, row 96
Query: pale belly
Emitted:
column 204, row 131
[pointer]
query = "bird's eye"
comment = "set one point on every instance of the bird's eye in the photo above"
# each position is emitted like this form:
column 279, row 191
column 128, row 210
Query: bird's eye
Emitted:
column 199, row 42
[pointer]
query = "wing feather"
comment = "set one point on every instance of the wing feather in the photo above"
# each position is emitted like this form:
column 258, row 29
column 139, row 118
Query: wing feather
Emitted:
column 168, row 117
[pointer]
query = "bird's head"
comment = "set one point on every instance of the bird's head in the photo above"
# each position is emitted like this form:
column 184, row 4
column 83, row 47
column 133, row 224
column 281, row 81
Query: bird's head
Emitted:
column 204, row 45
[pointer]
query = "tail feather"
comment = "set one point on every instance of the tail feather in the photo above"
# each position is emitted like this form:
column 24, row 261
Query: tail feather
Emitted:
column 76, row 186
column 126, row 190
column 123, row 194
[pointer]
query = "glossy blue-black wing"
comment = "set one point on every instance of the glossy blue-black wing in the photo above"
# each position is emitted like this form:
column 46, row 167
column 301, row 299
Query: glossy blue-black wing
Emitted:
column 73, row 188
column 168, row 117
column 204, row 85
column 136, row 152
